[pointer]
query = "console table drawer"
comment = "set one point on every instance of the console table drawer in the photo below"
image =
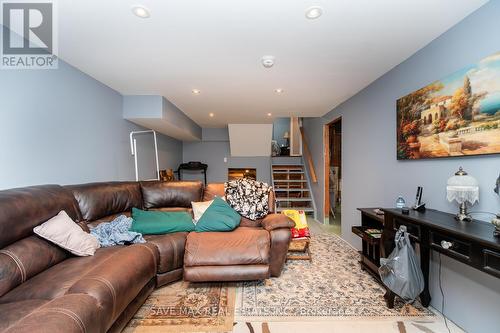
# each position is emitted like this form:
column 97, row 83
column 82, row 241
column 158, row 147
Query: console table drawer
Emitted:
column 452, row 246
column 413, row 230
column 491, row 262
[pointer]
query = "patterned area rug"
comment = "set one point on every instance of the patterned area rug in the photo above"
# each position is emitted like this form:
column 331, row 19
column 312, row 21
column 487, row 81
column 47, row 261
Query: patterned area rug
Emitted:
column 331, row 286
column 186, row 307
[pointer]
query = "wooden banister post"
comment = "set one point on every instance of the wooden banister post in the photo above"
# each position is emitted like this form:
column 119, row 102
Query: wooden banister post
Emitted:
column 310, row 162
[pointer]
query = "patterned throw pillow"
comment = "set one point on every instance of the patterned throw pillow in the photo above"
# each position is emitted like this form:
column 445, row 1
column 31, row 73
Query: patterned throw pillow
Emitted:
column 248, row 197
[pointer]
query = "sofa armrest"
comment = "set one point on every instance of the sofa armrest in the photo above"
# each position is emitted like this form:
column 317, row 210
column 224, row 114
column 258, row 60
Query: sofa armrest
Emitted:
column 277, row 221
column 280, row 240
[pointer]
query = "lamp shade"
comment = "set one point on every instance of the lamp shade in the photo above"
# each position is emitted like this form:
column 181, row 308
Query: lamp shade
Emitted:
column 286, row 135
column 462, row 188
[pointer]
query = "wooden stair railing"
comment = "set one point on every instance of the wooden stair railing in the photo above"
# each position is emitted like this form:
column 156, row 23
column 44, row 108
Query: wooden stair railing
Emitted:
column 308, row 156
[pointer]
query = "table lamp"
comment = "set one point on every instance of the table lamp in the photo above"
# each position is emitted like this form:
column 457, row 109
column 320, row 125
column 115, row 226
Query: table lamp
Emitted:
column 496, row 220
column 286, row 136
column 462, row 188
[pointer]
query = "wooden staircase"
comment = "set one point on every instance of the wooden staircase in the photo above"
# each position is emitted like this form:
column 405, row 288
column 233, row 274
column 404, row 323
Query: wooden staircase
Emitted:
column 291, row 188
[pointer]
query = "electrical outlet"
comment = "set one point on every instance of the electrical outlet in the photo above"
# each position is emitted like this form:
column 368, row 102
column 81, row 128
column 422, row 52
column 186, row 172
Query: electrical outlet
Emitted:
column 225, row 159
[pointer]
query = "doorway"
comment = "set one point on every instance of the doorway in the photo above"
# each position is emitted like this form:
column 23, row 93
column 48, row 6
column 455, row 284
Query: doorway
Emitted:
column 333, row 174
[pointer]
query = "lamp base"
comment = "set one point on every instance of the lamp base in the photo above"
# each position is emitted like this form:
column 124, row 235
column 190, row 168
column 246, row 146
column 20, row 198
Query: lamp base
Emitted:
column 496, row 223
column 463, row 215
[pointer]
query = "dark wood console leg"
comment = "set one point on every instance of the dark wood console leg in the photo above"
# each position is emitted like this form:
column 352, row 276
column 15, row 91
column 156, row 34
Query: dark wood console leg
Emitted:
column 389, row 298
column 425, row 296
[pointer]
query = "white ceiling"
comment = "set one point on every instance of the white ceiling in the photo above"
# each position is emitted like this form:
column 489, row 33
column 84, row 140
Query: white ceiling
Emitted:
column 216, row 46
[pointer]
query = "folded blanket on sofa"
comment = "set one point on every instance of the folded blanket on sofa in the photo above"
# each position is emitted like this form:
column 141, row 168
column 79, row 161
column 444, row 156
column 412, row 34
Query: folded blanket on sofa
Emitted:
column 116, row 232
column 248, row 197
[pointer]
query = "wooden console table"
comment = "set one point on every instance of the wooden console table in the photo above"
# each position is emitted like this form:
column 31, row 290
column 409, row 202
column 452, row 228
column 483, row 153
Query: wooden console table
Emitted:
column 370, row 252
column 471, row 243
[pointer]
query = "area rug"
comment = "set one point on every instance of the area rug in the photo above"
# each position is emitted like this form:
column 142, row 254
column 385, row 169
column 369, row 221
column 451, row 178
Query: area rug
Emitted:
column 186, row 307
column 332, row 286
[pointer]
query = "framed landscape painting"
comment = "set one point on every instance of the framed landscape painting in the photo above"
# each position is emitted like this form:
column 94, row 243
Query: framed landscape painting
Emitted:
column 456, row 116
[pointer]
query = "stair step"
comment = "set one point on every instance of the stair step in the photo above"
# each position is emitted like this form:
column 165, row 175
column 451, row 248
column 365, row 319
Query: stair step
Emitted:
column 288, row 169
column 294, row 188
column 293, row 199
column 290, row 180
column 305, row 209
column 275, row 171
column 291, row 190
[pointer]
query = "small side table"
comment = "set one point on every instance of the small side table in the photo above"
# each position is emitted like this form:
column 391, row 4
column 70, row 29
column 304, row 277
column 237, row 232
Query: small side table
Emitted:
column 299, row 249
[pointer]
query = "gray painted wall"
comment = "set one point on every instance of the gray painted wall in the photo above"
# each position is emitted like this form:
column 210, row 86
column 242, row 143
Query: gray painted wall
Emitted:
column 280, row 126
column 212, row 150
column 62, row 126
column 373, row 177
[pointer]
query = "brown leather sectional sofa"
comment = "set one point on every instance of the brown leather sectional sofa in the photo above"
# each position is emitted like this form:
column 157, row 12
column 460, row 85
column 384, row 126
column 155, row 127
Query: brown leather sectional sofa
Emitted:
column 44, row 288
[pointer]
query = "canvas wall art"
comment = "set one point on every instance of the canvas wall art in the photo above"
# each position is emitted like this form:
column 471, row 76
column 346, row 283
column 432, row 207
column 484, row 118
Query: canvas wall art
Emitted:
column 456, row 116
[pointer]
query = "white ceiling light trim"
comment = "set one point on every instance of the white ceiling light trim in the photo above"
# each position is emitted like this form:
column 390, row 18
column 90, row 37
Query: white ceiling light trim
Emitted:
column 268, row 61
column 196, row 91
column 314, row 12
column 278, row 91
column 141, row 11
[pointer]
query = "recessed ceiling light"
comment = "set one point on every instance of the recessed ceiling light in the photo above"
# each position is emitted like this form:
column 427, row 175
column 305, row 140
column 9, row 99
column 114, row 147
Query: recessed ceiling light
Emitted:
column 278, row 91
column 196, row 91
column 314, row 12
column 269, row 114
column 211, row 114
column 140, row 11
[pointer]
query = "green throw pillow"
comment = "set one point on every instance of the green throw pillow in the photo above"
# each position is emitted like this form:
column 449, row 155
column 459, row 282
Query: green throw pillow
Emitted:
column 156, row 223
column 219, row 216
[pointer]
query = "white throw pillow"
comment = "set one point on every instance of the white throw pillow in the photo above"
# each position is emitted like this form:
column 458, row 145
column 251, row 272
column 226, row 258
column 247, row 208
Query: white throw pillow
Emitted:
column 199, row 208
column 64, row 232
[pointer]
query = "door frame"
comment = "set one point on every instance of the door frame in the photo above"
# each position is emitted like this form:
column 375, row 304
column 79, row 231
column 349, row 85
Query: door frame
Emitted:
column 326, row 168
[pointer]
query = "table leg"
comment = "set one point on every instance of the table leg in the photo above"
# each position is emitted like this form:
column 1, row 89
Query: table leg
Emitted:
column 389, row 299
column 425, row 257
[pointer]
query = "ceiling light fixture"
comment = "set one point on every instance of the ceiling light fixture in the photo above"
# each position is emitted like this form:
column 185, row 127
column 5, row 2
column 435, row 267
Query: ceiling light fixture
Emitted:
column 140, row 11
column 211, row 114
column 196, row 91
column 269, row 114
column 268, row 61
column 278, row 91
column 314, row 12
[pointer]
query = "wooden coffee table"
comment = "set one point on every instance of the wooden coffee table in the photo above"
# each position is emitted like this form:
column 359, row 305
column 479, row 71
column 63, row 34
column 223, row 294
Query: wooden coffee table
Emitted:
column 299, row 249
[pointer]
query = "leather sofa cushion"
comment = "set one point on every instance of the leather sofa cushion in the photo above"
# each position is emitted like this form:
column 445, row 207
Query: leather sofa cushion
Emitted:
column 68, row 314
column 25, row 258
column 243, row 246
column 98, row 200
column 108, row 218
column 11, row 313
column 217, row 189
column 170, row 248
column 170, row 194
column 173, row 209
column 55, row 281
column 115, row 282
column 22, row 209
